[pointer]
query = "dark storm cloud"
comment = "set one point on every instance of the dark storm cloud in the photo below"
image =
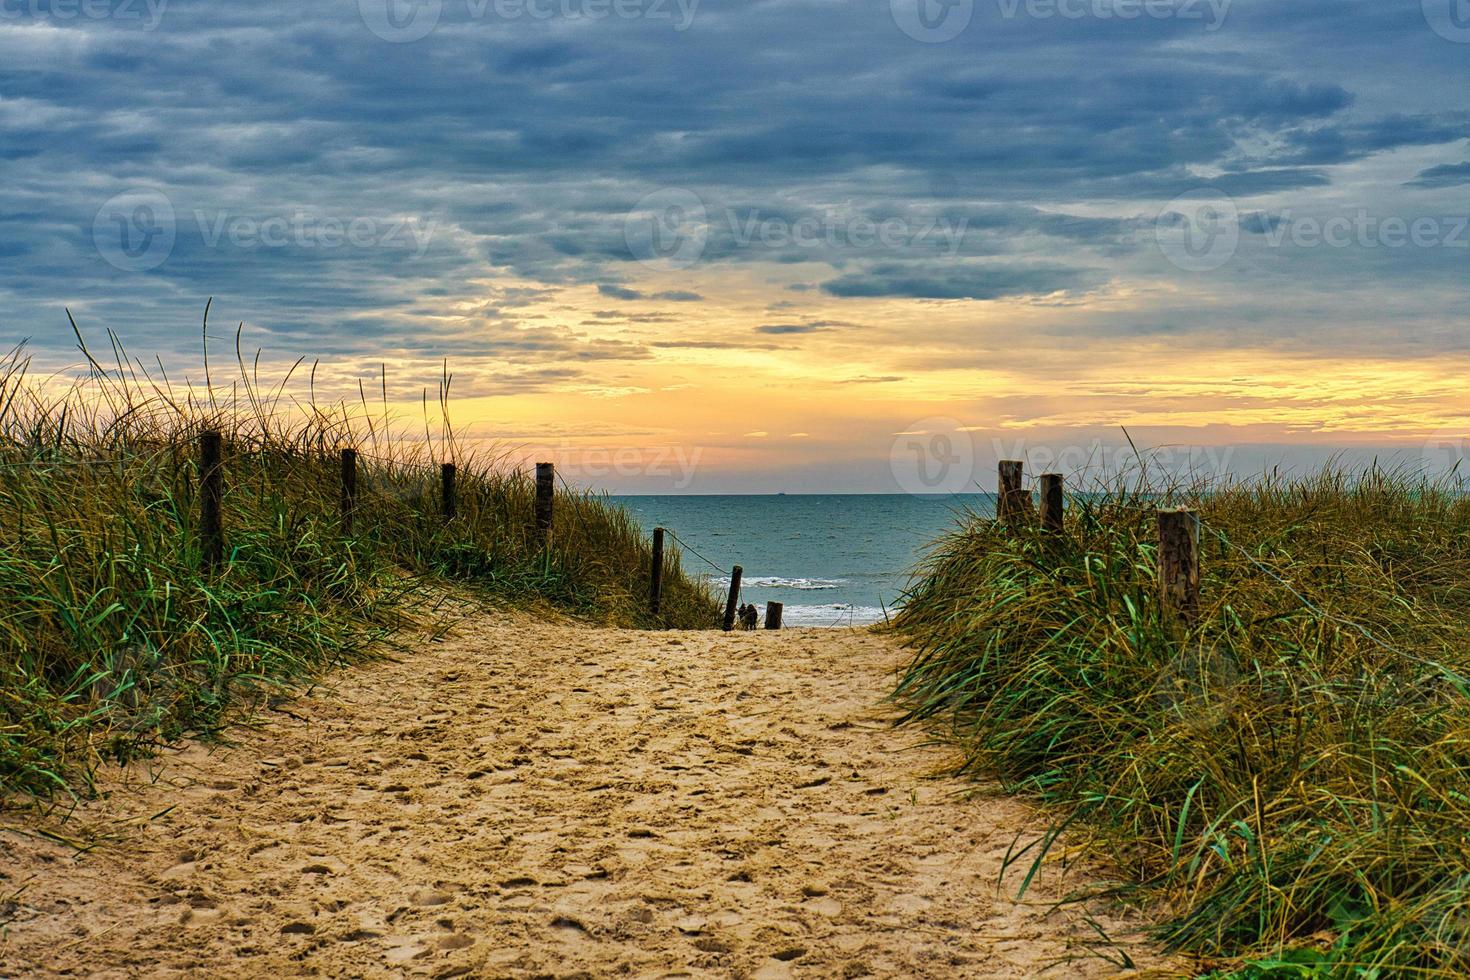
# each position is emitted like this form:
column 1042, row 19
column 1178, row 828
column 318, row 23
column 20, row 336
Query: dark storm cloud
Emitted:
column 1026, row 156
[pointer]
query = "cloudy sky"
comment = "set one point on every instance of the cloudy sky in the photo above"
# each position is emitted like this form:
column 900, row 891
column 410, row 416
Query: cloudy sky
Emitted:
column 701, row 245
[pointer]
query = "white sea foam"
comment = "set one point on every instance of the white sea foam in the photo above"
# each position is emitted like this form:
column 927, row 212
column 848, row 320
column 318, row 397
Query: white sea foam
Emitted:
column 831, row 614
column 777, row 582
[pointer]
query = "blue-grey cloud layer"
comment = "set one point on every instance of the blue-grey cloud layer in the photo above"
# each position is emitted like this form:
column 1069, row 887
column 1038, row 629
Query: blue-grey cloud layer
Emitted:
column 1029, row 156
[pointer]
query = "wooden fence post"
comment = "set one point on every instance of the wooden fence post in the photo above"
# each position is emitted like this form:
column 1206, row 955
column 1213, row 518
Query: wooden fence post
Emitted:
column 1008, row 505
column 545, row 494
column 448, row 505
column 211, row 499
column 733, row 598
column 656, row 576
column 349, row 489
column 773, row 615
column 1179, row 563
column 1052, row 502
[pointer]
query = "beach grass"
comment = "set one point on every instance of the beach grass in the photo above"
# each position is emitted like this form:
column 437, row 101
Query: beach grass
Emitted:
column 116, row 637
column 1285, row 784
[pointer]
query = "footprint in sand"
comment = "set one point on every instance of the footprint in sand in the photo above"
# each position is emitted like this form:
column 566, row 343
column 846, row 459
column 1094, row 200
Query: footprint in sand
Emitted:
column 430, row 897
column 829, row 907
column 406, row 952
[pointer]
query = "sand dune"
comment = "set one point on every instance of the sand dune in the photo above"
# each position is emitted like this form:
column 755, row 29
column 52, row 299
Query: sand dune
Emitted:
column 539, row 799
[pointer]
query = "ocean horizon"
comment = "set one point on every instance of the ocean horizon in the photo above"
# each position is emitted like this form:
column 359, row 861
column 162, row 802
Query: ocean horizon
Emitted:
column 830, row 559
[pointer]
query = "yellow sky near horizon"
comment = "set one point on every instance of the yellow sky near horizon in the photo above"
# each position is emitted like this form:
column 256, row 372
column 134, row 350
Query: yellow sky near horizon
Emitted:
column 756, row 407
column 737, row 392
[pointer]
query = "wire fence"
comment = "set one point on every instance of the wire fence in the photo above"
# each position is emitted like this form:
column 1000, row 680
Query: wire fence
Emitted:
column 848, row 613
column 690, row 548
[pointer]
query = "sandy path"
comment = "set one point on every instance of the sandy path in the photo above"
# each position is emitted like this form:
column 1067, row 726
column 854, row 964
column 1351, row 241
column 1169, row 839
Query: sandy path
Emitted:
column 531, row 799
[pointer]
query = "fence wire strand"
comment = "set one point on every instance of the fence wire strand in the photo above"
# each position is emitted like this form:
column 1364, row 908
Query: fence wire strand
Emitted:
column 687, row 547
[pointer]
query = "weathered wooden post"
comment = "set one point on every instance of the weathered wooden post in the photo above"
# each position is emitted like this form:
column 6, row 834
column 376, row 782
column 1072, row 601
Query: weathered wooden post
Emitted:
column 1179, row 563
column 1053, row 502
column 656, row 576
column 349, row 489
column 211, row 499
column 733, row 598
column 1009, row 508
column 545, row 494
column 448, row 505
column 773, row 615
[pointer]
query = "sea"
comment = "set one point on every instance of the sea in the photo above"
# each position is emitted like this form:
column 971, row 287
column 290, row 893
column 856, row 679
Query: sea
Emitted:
column 830, row 559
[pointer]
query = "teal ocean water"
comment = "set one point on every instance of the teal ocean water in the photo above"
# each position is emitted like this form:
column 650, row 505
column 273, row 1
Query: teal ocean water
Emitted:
column 831, row 559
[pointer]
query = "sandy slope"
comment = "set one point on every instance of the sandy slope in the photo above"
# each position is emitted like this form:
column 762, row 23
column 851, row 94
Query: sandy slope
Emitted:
column 540, row 799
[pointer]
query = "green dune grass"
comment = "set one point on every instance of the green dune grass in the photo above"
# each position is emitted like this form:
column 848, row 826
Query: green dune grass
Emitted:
column 1289, row 781
column 114, row 638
